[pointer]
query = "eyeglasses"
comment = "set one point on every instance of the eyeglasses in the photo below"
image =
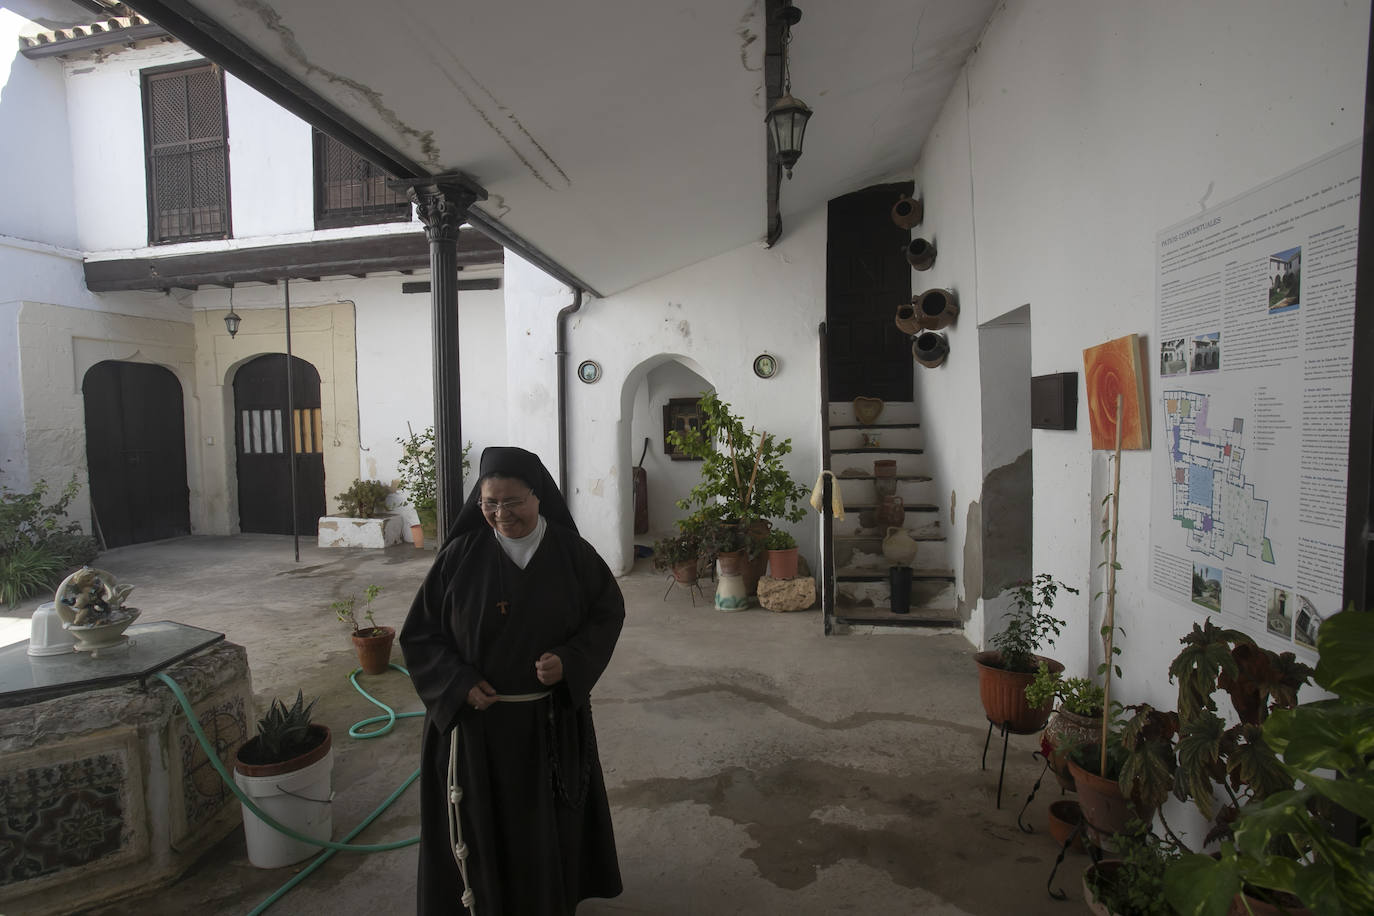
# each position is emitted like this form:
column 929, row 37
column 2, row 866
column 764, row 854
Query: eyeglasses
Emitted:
column 493, row 506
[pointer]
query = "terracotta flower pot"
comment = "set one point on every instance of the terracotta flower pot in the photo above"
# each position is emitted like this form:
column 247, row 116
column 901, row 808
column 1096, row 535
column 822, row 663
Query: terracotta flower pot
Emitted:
column 1064, row 731
column 1064, row 816
column 907, row 212
column 935, row 309
column 1293, row 907
column 930, row 348
column 782, row 564
column 1106, row 811
column 374, row 649
column 731, row 562
column 920, row 254
column 299, row 762
column 417, row 535
column 685, row 572
column 1003, row 694
column 907, row 318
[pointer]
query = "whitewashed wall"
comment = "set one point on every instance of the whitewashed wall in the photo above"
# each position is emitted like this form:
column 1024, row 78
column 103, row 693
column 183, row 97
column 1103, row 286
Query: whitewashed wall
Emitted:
column 714, row 317
column 1078, row 130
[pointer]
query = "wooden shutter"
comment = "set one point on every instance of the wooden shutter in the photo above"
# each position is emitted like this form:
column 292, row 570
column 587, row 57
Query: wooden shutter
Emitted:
column 188, row 154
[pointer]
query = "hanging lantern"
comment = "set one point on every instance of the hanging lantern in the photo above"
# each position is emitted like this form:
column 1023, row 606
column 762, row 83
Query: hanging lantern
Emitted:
column 232, row 319
column 787, row 117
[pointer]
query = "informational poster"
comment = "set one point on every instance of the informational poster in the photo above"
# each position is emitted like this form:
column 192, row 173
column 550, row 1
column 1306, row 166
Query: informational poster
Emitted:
column 1253, row 349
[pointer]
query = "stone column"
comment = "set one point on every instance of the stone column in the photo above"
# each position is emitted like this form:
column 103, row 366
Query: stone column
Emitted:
column 441, row 203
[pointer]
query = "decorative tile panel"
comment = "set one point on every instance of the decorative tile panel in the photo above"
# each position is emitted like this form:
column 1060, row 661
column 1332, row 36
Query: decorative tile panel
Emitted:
column 62, row 815
column 203, row 792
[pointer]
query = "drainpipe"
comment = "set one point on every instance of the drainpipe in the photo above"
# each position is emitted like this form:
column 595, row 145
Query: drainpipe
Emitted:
column 562, row 353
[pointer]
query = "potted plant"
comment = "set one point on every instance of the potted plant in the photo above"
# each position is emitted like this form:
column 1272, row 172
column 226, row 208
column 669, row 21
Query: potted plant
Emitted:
column 782, row 554
column 1298, row 846
column 1132, row 884
column 372, row 642
column 417, row 476
column 680, row 554
column 286, row 769
column 1008, row 668
column 741, row 467
column 1076, row 720
column 363, row 499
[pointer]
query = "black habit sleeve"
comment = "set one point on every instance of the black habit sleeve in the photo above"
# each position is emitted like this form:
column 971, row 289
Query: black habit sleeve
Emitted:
column 442, row 676
column 587, row 652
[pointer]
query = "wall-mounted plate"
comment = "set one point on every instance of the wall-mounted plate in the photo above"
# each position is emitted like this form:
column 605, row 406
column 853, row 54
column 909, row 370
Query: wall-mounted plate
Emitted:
column 765, row 366
column 589, row 371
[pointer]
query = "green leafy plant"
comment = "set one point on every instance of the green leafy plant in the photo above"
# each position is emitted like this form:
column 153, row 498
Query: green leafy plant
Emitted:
column 363, row 499
column 283, row 733
column 779, row 539
column 1134, row 886
column 417, row 473
column 346, row 609
column 1028, row 624
column 1078, row 695
column 742, row 467
column 38, row 544
column 1288, row 842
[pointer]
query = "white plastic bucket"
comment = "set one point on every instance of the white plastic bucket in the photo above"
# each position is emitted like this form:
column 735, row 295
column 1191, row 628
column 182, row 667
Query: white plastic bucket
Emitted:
column 301, row 800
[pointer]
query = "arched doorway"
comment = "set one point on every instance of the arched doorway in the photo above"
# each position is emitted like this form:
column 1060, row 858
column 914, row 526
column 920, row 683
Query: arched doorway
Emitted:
column 136, row 452
column 654, row 390
column 261, row 433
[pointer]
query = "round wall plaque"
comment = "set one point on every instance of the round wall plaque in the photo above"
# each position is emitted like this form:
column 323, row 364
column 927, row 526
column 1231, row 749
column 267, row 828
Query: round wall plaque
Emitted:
column 589, row 371
column 765, row 366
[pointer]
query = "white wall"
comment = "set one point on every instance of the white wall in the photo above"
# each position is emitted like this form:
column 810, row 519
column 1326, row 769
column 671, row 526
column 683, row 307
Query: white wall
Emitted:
column 714, row 317
column 35, row 156
column 1078, row 130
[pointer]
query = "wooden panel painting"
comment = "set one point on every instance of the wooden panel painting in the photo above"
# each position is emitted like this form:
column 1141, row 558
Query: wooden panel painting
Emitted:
column 1117, row 367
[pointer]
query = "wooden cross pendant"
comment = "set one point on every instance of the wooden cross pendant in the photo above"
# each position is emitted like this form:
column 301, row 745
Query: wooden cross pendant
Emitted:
column 504, row 606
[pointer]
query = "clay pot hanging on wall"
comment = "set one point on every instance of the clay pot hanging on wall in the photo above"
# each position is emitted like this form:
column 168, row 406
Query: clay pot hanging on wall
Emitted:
column 935, row 309
column 907, row 212
column 930, row 348
column 908, row 319
column 920, row 254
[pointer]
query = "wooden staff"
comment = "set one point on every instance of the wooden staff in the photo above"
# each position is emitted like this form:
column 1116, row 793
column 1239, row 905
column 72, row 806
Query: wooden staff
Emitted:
column 1109, row 618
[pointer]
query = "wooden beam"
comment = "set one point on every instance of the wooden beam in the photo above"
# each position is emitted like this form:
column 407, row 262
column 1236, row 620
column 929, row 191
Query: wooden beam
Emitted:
column 271, row 263
column 422, row 286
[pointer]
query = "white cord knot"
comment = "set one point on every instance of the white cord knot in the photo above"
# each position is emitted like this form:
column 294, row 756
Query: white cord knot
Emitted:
column 468, row 898
column 455, row 795
column 461, row 850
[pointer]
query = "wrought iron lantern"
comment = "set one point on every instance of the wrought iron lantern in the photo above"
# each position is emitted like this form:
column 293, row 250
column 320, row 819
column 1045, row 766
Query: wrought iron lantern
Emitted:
column 787, row 116
column 232, row 319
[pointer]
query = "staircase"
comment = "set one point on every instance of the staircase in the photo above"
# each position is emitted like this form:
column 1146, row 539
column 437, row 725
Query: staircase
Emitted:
column 858, row 573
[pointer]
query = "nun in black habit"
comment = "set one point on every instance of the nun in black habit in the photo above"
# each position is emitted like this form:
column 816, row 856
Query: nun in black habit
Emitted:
column 510, row 631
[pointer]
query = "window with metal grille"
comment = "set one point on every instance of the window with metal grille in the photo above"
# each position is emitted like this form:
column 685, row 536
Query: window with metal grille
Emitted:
column 350, row 191
column 187, row 140
column 263, row 434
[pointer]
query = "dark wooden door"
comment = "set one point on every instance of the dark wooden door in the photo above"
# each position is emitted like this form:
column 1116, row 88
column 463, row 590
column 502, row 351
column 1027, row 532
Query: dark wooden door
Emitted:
column 136, row 452
column 866, row 277
column 265, row 437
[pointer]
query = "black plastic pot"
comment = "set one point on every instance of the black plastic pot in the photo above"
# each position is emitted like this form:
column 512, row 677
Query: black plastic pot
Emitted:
column 899, row 589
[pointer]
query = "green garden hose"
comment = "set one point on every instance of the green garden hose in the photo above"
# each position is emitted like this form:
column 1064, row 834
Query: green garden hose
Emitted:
column 330, row 847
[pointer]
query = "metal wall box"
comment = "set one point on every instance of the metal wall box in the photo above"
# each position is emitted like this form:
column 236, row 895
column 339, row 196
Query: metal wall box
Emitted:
column 1054, row 401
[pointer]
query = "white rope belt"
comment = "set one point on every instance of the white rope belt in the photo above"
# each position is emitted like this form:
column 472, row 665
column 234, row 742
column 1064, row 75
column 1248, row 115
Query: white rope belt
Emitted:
column 455, row 796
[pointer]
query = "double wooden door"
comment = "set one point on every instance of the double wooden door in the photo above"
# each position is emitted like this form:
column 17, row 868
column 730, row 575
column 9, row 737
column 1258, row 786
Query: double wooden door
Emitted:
column 136, row 452
column 268, row 439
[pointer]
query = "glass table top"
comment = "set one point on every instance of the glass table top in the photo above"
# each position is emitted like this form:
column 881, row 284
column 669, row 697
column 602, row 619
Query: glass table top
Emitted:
column 151, row 647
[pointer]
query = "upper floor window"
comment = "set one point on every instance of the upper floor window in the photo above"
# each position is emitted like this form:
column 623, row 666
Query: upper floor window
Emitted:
column 350, row 191
column 187, row 139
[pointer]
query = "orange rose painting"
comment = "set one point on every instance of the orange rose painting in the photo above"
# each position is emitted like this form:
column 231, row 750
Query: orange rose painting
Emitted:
column 1117, row 367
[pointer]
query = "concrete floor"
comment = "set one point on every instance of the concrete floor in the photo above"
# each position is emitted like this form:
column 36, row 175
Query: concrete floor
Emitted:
column 754, row 765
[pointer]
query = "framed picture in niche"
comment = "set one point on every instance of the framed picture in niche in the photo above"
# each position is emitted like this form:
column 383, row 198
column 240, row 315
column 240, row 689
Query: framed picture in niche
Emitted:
column 682, row 415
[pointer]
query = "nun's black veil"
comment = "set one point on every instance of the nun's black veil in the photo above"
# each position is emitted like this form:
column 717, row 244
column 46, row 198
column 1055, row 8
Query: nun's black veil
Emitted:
column 510, row 461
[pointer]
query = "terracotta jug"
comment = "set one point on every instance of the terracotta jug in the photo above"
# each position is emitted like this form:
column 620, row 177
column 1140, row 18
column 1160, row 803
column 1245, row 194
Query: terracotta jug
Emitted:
column 907, row 212
column 930, row 348
column 920, row 254
column 891, row 511
column 899, row 547
column 935, row 309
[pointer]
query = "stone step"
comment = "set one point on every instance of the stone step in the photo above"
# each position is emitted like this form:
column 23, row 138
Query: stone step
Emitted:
column 872, row 574
column 835, row 426
column 880, row 451
column 932, row 605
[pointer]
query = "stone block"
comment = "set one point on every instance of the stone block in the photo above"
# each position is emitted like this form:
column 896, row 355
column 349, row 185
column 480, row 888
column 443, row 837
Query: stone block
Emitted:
column 341, row 531
column 796, row 594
